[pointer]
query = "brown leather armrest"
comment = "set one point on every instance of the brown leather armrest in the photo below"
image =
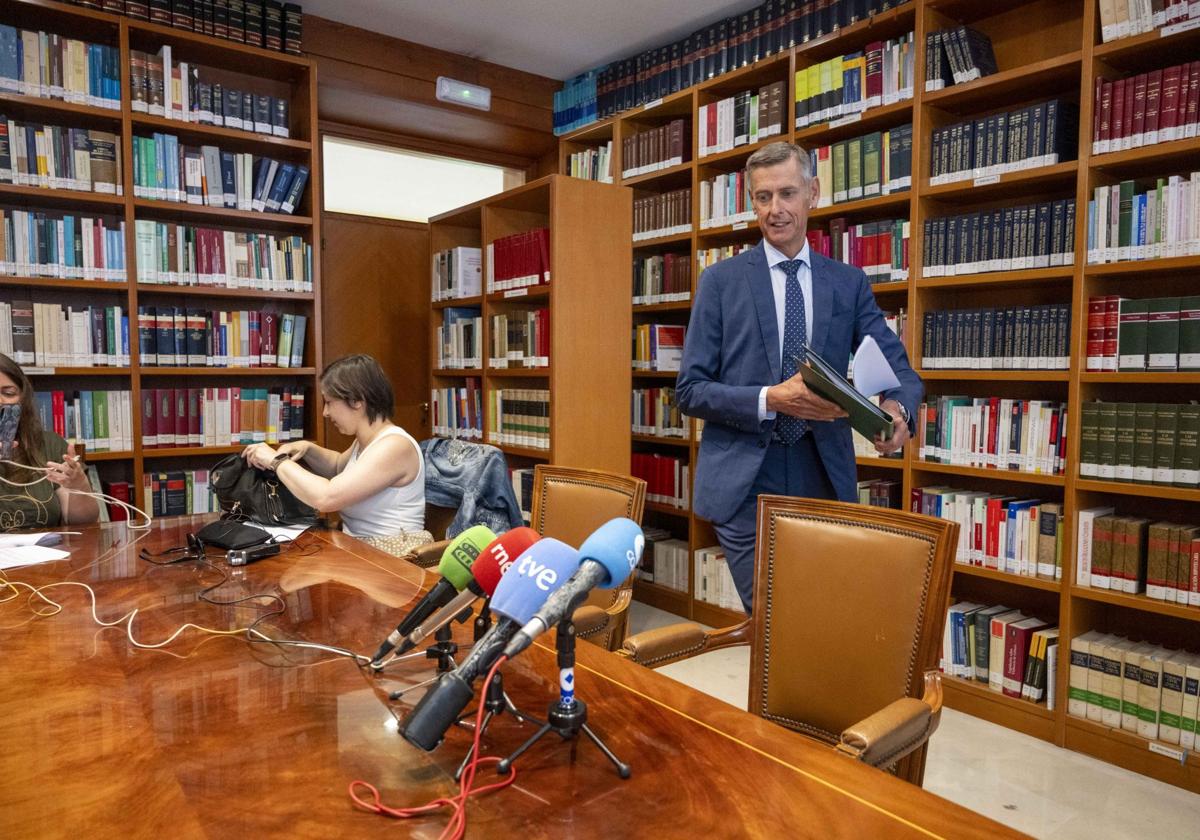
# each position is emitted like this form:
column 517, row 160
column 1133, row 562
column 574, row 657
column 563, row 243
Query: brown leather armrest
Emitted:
column 893, row 732
column 680, row 641
column 429, row 555
column 590, row 619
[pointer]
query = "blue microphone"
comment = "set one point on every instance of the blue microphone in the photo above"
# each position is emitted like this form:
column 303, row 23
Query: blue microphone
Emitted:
column 608, row 557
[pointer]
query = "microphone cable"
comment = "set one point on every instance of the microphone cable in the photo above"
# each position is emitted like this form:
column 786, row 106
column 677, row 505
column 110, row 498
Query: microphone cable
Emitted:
column 457, row 825
column 131, row 523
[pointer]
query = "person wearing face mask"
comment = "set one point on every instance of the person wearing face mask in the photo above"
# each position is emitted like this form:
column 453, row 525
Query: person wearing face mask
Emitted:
column 378, row 483
column 764, row 431
column 38, row 458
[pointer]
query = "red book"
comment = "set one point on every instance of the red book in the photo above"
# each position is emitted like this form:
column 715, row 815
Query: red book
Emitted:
column 1097, row 112
column 1112, row 305
column 1139, row 106
column 1106, row 97
column 1117, row 116
column 1127, row 117
column 1095, row 333
column 1153, row 100
column 1016, row 650
column 712, row 126
column 181, row 417
column 269, row 332
column 195, row 436
column 1192, row 115
column 255, row 339
column 165, row 404
column 58, row 407
column 874, row 54
column 149, row 419
column 1168, row 114
column 118, row 490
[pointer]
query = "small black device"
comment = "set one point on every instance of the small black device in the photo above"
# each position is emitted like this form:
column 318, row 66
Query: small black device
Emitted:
column 244, row 556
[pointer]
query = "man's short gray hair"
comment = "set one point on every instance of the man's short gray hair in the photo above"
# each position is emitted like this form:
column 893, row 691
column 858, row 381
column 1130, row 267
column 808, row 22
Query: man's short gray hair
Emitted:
column 774, row 154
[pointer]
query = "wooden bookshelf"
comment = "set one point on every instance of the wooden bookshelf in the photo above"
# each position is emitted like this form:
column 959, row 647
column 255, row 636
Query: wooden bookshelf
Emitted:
column 258, row 70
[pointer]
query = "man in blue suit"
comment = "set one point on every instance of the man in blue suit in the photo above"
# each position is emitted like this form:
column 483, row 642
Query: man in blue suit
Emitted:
column 764, row 431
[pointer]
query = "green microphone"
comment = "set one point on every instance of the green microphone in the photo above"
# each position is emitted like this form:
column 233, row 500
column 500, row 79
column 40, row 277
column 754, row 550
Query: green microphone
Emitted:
column 455, row 568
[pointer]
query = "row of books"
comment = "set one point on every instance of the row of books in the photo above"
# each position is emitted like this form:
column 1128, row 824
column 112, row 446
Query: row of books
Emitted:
column 519, row 260
column 664, row 560
column 879, row 248
column 460, row 338
column 956, row 56
column 662, row 278
column 712, row 582
column 164, row 170
column 666, row 477
column 1125, row 223
column 1140, row 334
column 1009, row 141
column 519, row 417
column 993, row 433
column 457, row 411
column 879, row 163
column 652, row 149
column 53, row 335
column 725, row 200
column 520, row 338
column 1010, row 652
column 190, row 93
column 194, row 255
column 170, row 336
column 53, row 157
column 592, row 164
column 1125, row 18
column 658, row 346
column 1006, row 533
column 59, row 244
column 1141, row 443
column 457, row 273
column 1136, row 555
column 656, row 413
column 101, row 420
column 50, row 66
column 1137, row 687
column 270, row 24
column 841, row 88
column 998, row 338
column 880, row 492
column 177, row 417
column 706, row 257
column 1005, row 239
column 1147, row 108
column 662, row 214
column 178, row 493
column 746, row 117
column 522, row 484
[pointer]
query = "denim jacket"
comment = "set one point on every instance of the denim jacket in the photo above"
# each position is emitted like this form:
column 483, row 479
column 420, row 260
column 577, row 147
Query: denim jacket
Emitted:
column 472, row 477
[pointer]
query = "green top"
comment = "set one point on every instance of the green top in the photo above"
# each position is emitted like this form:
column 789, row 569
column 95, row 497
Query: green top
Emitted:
column 35, row 506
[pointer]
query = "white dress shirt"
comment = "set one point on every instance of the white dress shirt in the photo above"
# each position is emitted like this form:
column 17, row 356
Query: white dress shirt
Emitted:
column 779, row 290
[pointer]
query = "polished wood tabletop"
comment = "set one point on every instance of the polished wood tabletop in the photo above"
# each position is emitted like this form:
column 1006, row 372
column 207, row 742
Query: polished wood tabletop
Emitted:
column 215, row 736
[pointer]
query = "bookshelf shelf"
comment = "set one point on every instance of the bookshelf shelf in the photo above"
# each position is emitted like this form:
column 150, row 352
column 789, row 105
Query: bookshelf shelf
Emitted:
column 672, row 239
column 217, row 291
column 1136, row 602
column 884, row 25
column 999, row 88
column 1136, row 378
column 1129, row 750
column 715, row 616
column 75, row 371
column 520, row 295
column 55, row 283
column 662, row 441
column 998, row 375
column 474, row 300
column 661, row 597
column 892, row 287
column 14, row 103
column 722, row 160
column 981, row 472
column 1043, row 177
column 879, row 463
column 1145, row 45
column 190, row 451
column 681, row 173
column 875, row 205
column 597, row 132
column 1021, row 277
column 870, row 120
column 209, row 215
column 205, row 49
column 1159, row 266
column 1006, row 577
column 230, row 139
column 976, row 699
column 457, row 372
column 655, row 374
column 1149, row 491
column 1157, row 156
column 108, row 456
column 65, row 199
column 670, row 510
column 670, row 306
column 524, row 452
column 517, row 373
column 736, row 231
column 228, row 371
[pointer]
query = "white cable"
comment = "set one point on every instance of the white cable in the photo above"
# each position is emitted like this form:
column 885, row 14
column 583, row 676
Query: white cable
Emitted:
column 104, row 497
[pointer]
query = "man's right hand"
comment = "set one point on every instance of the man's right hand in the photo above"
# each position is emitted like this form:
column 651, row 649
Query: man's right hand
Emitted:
column 793, row 397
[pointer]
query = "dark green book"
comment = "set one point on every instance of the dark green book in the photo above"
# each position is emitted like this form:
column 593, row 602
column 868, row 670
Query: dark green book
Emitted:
column 1089, row 437
column 1189, row 333
column 1126, row 416
column 1166, row 430
column 1131, row 334
column 1106, row 442
column 839, row 171
column 866, row 418
column 1143, row 443
column 1162, row 334
column 1187, row 447
column 854, row 168
column 872, row 164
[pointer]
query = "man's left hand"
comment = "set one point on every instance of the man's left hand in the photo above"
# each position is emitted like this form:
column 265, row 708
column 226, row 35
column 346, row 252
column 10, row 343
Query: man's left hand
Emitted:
column 900, row 435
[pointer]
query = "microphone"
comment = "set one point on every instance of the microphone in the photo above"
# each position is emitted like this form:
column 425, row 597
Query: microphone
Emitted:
column 491, row 563
column 455, row 568
column 608, row 556
column 537, row 573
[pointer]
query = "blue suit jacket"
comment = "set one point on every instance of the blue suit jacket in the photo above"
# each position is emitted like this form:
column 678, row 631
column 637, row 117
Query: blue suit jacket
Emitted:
column 732, row 351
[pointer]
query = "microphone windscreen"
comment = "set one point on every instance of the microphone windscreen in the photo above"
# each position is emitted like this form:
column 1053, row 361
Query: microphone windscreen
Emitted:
column 540, row 570
column 459, row 556
column 496, row 559
column 617, row 545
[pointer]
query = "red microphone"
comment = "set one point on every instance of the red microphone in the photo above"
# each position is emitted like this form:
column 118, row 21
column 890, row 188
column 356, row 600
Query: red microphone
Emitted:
column 486, row 571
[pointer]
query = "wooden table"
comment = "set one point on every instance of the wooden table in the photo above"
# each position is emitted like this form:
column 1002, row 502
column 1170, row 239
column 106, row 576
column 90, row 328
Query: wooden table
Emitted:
column 217, row 737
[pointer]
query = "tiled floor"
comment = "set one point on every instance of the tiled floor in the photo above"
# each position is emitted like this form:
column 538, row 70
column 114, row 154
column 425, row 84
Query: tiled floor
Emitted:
column 1025, row 783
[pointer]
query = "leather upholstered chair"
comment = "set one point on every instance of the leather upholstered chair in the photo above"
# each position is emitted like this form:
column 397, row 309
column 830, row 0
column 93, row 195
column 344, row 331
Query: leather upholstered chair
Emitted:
column 569, row 504
column 845, row 635
column 437, row 520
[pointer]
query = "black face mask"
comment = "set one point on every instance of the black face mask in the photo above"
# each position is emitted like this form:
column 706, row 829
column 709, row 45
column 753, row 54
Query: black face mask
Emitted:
column 10, row 419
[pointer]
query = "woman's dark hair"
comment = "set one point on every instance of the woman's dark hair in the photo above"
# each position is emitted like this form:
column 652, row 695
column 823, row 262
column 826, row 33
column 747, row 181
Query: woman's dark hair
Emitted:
column 359, row 378
column 29, row 432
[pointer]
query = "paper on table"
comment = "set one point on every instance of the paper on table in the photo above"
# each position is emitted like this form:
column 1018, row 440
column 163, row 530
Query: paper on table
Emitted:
column 281, row 533
column 872, row 373
column 13, row 557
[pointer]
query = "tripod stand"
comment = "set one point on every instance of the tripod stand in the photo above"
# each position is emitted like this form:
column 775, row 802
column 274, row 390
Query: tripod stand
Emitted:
column 567, row 716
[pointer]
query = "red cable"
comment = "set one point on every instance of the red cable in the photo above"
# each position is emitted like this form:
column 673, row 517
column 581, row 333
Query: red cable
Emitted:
column 458, row 818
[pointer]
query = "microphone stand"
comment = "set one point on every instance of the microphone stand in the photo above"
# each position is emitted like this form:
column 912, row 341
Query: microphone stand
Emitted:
column 567, row 716
column 443, row 649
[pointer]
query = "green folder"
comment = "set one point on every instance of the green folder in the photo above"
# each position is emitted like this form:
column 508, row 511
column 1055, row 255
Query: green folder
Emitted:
column 866, row 418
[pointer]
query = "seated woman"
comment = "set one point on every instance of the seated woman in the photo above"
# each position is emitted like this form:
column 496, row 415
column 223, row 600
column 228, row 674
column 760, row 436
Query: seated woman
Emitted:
column 378, row 484
column 50, row 466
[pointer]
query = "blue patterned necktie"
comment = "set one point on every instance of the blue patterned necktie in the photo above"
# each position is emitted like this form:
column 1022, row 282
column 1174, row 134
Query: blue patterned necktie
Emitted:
column 795, row 335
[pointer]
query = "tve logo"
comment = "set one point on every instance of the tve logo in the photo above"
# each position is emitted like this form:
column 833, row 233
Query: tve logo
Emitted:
column 541, row 574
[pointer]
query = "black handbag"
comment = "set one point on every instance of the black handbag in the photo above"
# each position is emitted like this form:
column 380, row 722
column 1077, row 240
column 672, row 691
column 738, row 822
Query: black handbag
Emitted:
column 246, row 492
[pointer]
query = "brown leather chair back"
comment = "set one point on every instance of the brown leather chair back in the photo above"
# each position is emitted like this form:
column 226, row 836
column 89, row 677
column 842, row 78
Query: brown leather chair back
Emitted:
column 569, row 504
column 849, row 606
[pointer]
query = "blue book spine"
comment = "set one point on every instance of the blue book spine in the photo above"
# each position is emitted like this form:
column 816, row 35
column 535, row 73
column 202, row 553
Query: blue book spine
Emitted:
column 279, row 187
column 124, row 339
column 87, row 424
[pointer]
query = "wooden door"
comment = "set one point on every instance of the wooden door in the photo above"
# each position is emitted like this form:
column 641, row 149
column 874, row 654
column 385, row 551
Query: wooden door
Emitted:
column 375, row 299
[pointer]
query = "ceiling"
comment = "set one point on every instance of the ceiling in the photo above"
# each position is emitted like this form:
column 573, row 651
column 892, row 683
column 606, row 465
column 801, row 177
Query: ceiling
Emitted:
column 554, row 38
